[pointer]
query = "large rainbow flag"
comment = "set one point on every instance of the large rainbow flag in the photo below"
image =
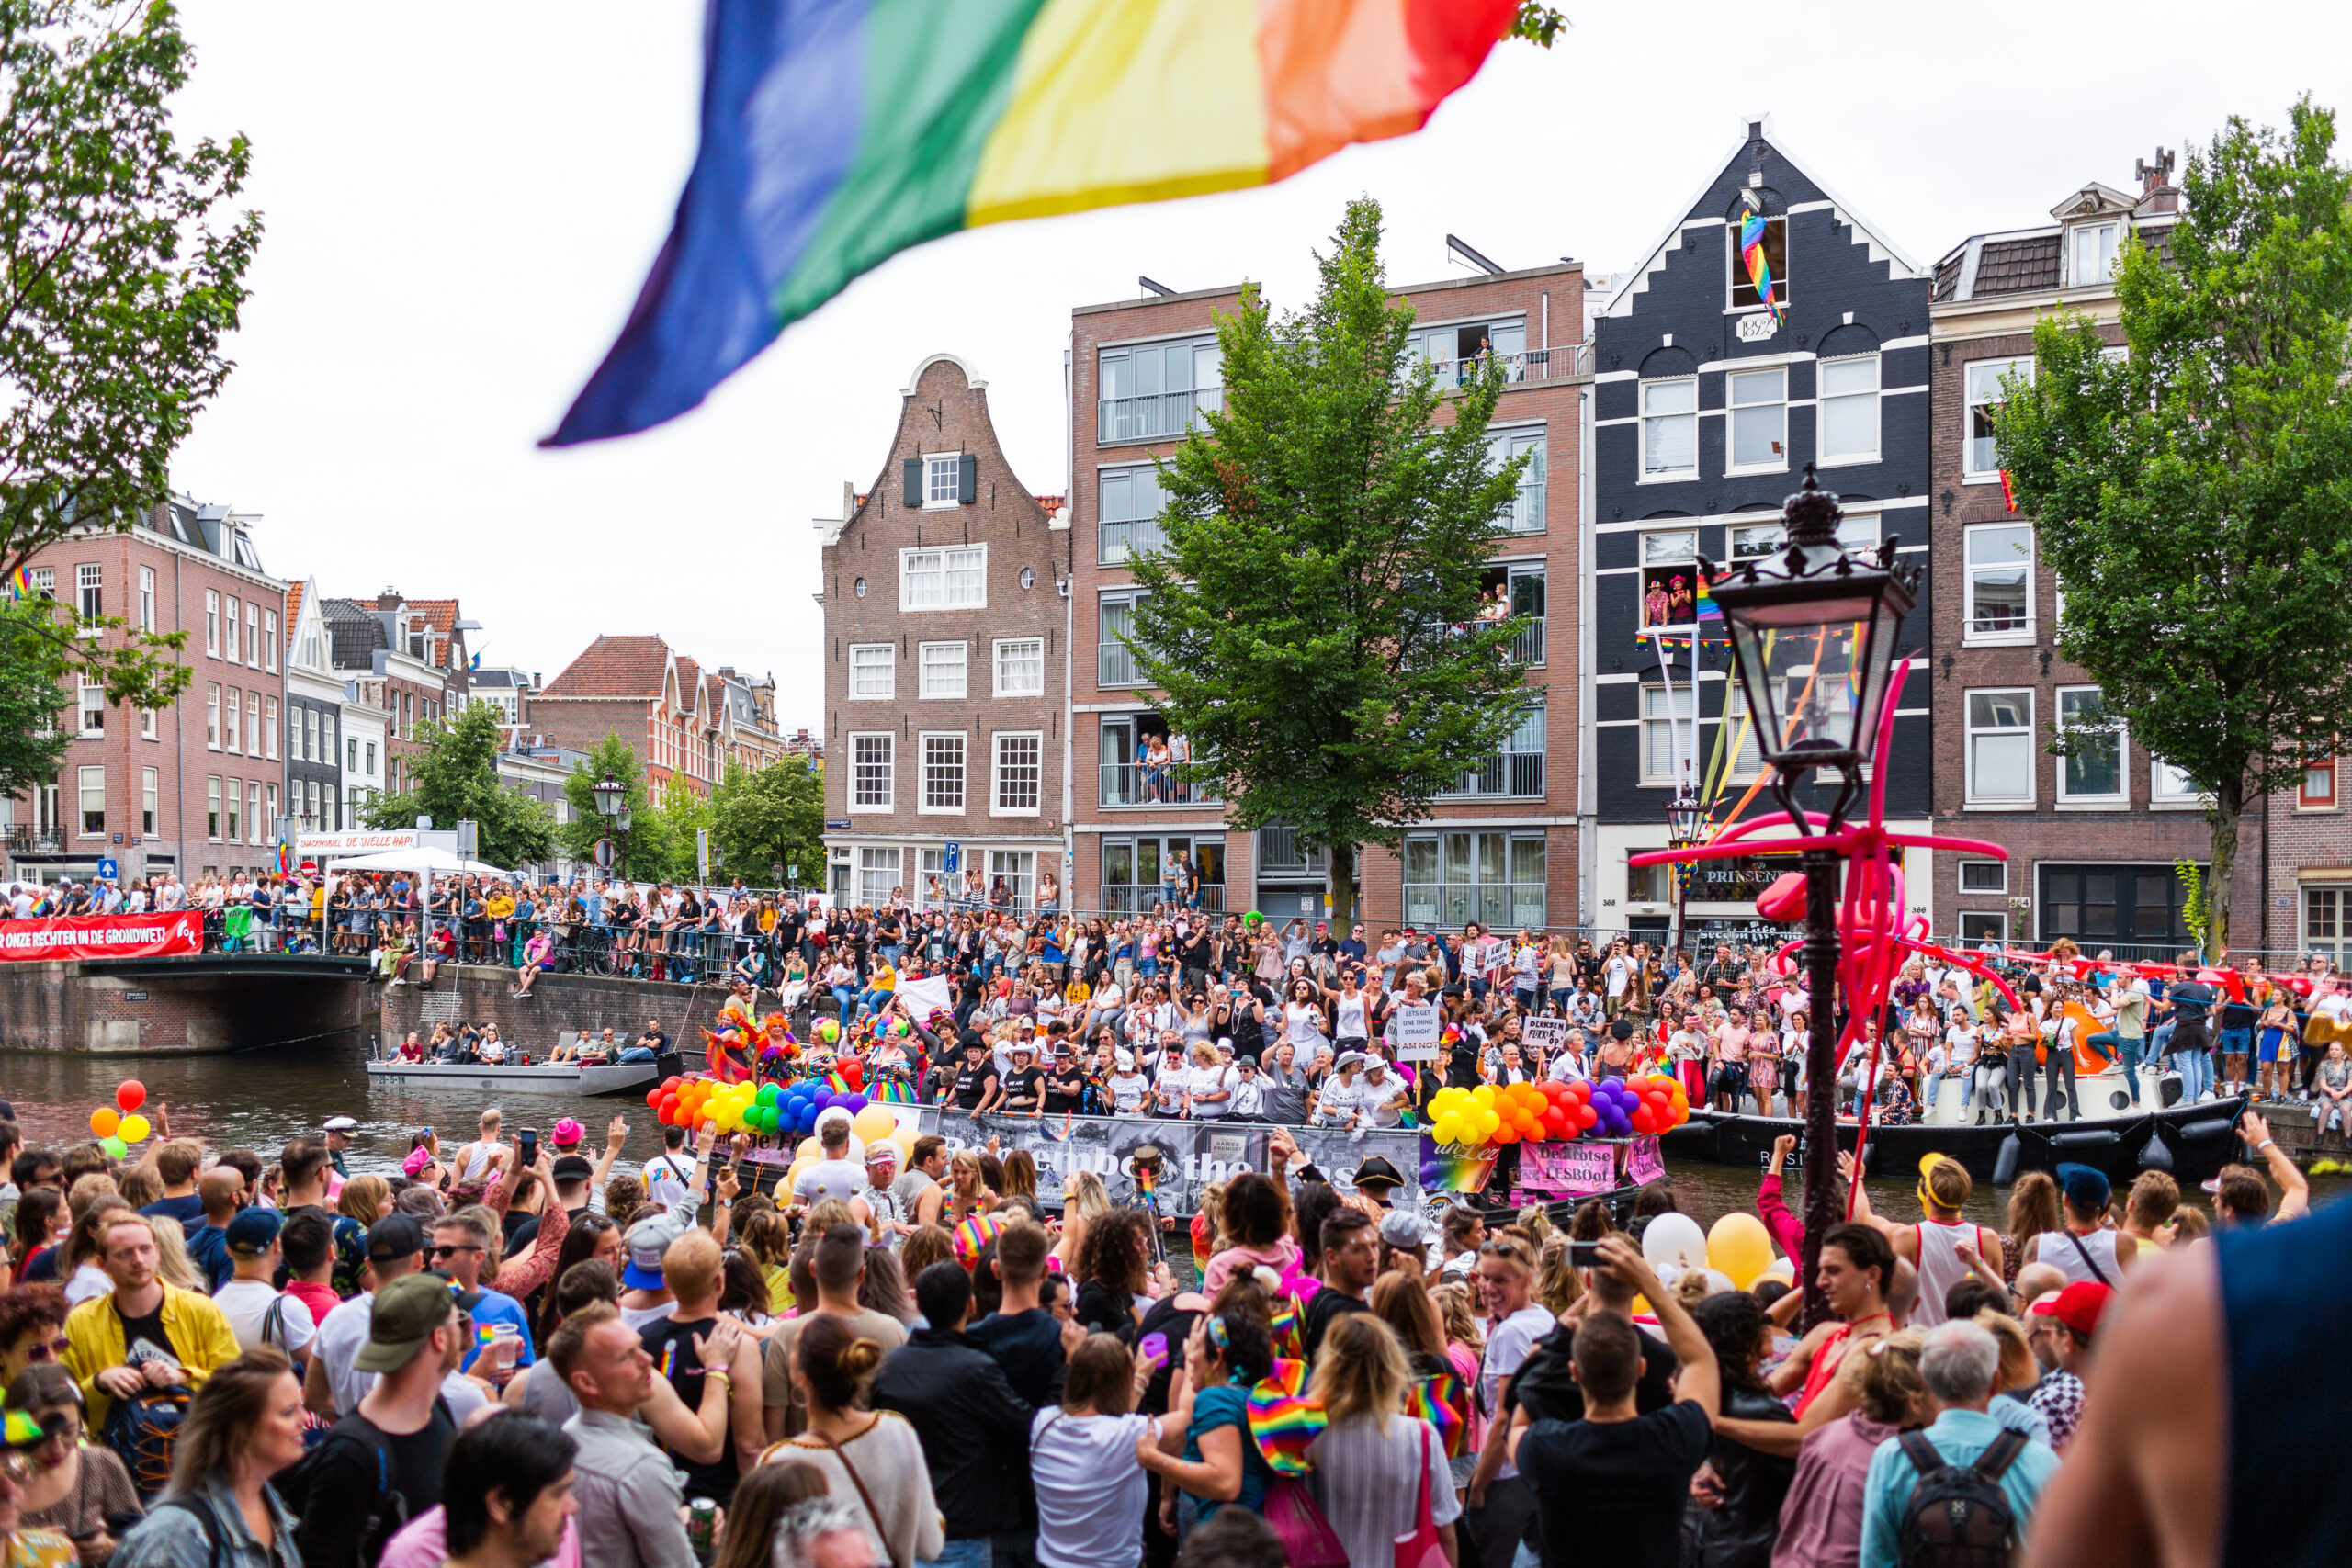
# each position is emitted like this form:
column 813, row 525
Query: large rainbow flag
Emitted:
column 836, row 134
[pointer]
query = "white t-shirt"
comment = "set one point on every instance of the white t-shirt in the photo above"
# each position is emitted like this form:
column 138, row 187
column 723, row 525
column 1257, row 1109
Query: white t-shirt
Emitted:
column 246, row 1303
column 1962, row 1040
column 1565, row 1069
column 830, row 1179
column 1338, row 1101
column 1377, row 1097
column 1128, row 1092
column 639, row 1318
column 1509, row 1344
column 1208, row 1080
column 1091, row 1489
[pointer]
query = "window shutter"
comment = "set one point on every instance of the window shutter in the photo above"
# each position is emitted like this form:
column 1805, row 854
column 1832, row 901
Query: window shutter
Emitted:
column 968, row 479
column 912, row 469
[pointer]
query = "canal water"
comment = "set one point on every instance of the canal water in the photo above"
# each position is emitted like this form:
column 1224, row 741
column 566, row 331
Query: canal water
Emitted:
column 259, row 1099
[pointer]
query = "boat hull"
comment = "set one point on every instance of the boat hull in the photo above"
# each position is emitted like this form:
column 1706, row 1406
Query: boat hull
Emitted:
column 559, row 1078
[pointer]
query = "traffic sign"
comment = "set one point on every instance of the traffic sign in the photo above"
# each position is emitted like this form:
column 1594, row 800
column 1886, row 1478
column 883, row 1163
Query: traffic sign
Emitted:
column 108, row 871
column 603, row 854
column 955, row 856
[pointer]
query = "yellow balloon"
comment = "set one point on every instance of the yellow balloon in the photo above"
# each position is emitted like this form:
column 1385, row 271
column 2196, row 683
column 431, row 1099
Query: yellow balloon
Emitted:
column 874, row 1124
column 132, row 1130
column 808, row 1150
column 792, row 1175
column 1739, row 1248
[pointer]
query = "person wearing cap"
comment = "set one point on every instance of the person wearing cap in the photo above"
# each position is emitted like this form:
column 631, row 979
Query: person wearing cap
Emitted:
column 2086, row 1249
column 143, row 1332
column 258, row 1313
column 875, row 1204
column 2062, row 1324
column 1341, row 1102
column 1249, row 1094
column 335, row 1383
column 338, row 1131
column 397, row 1436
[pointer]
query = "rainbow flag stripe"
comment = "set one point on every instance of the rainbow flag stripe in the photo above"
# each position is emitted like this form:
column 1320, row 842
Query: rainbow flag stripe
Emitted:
column 1283, row 1420
column 1751, row 251
column 836, row 134
column 1705, row 608
column 1461, row 1168
column 973, row 1233
column 1438, row 1400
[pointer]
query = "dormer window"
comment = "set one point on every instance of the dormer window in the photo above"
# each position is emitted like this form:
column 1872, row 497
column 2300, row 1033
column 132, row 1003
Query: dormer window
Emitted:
column 2090, row 253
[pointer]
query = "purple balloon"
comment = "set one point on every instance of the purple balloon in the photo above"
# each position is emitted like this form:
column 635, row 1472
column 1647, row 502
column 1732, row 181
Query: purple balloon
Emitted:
column 852, row 1102
column 823, row 1100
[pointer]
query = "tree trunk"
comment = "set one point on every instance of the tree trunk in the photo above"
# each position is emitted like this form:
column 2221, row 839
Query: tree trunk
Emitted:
column 2223, row 817
column 1343, row 890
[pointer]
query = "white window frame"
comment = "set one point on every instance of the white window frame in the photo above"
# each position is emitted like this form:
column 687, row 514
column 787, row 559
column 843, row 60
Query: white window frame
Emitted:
column 87, row 778
column 253, row 633
column 1657, row 714
column 2000, row 877
column 888, row 664
column 1976, row 799
column 1734, row 714
column 1779, row 462
column 150, row 798
column 2163, row 791
column 147, row 724
column 1010, row 648
column 2076, row 234
column 212, row 806
column 269, row 640
column 937, row 771
column 998, row 775
column 886, row 759
column 934, row 465
column 90, row 592
column 872, row 860
column 146, row 598
column 1646, row 417
column 212, row 622
column 232, row 710
column 1503, row 443
column 929, row 690
column 943, row 558
column 90, row 710
column 233, row 633
column 2121, row 793
column 212, row 716
column 1984, row 925
column 2015, row 636
column 1824, row 401
column 1996, row 371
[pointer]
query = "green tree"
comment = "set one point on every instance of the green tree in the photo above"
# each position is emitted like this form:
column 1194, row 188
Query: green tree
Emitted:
column 771, row 817
column 456, row 780
column 33, row 743
column 2195, row 496
column 1313, row 619
column 648, row 850
column 683, row 814
column 120, row 272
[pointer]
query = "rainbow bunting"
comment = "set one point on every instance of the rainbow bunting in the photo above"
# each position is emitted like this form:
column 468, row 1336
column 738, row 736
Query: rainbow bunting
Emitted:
column 1437, row 1399
column 1282, row 1419
column 836, row 134
column 1751, row 251
column 2009, row 495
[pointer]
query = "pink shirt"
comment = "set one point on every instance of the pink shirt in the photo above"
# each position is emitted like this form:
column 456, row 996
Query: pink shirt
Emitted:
column 423, row 1543
column 1821, row 1519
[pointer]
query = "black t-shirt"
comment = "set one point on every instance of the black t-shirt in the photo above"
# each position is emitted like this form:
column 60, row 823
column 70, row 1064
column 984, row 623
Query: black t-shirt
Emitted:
column 672, row 1345
column 1028, row 1346
column 654, row 1040
column 1550, row 1393
column 1064, row 1087
column 1614, row 1492
column 344, row 1479
column 1328, row 1305
column 1164, row 1317
column 2189, row 1001
column 144, row 1338
column 1022, row 1086
column 971, row 1082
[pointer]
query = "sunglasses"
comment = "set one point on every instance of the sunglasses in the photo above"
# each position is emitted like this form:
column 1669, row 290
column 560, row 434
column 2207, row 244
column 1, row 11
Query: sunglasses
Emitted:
column 53, row 1350
column 441, row 1252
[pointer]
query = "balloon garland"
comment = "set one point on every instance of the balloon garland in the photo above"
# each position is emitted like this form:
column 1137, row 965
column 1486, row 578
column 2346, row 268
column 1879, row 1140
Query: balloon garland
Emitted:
column 1553, row 1111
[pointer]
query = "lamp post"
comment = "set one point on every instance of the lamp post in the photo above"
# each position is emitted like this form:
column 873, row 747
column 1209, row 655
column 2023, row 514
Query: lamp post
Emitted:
column 612, row 799
column 1683, row 816
column 1812, row 633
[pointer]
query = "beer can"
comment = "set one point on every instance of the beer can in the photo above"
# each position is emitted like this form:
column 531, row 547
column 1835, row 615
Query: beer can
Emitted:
column 702, row 1529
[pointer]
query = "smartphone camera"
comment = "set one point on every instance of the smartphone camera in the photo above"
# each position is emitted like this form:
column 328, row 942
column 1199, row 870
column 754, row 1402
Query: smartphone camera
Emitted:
column 1584, row 1255
column 527, row 1142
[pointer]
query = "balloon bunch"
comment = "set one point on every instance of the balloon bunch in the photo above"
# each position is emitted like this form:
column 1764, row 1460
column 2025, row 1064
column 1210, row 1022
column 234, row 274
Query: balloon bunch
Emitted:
column 700, row 1103
column 118, row 1126
column 869, row 1125
column 1645, row 1105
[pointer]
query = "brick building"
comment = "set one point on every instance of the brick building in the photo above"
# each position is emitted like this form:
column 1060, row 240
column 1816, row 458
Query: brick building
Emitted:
column 1706, row 412
column 2303, row 878
column 1502, row 848
column 398, row 664
column 2093, row 837
column 947, row 641
column 684, row 724
column 195, row 787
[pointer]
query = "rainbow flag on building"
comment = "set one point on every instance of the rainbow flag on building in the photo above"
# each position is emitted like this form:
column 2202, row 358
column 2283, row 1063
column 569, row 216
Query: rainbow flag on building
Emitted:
column 836, row 134
column 20, row 584
column 1751, row 254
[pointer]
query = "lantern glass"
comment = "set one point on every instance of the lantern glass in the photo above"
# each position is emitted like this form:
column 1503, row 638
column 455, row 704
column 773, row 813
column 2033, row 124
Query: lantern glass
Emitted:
column 1814, row 667
column 609, row 795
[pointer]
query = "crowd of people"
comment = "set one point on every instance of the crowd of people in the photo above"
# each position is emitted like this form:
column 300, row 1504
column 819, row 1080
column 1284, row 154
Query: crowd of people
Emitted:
column 208, row 1356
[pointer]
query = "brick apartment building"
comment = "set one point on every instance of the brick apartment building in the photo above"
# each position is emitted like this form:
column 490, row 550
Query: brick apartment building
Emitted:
column 2093, row 837
column 684, row 724
column 1503, row 846
column 946, row 597
column 193, row 787
column 397, row 663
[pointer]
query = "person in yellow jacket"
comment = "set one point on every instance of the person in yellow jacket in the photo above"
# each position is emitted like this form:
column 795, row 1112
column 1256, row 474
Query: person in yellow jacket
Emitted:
column 143, row 1333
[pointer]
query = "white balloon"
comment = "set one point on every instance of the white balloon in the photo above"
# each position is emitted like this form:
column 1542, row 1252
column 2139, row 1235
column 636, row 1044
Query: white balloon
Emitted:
column 1676, row 1239
column 1719, row 1284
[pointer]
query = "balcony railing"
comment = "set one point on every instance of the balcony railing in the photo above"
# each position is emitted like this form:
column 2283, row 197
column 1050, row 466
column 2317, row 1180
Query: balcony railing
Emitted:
column 1281, row 854
column 1506, row 775
column 1533, row 364
column 1145, row 784
column 28, row 841
column 1158, row 416
column 1528, row 646
column 1143, row 899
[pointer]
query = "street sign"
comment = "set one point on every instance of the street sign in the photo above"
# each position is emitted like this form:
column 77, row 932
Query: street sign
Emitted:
column 108, row 871
column 702, row 854
column 840, row 826
column 954, row 859
column 603, row 854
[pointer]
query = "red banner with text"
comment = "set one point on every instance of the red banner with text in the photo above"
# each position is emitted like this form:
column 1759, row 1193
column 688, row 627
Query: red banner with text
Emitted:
column 165, row 935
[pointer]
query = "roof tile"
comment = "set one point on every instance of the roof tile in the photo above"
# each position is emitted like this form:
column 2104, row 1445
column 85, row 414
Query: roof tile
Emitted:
column 615, row 667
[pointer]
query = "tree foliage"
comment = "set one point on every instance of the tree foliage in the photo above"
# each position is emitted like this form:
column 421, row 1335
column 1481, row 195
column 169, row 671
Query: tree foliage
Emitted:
column 2195, row 496
column 120, row 272
column 1538, row 24
column 770, row 816
column 1313, row 619
column 456, row 780
column 648, row 850
column 32, row 740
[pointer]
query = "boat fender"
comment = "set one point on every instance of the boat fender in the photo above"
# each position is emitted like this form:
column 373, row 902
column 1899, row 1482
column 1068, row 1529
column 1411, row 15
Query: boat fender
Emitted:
column 2093, row 1138
column 2211, row 1127
column 2005, row 1165
column 2156, row 1155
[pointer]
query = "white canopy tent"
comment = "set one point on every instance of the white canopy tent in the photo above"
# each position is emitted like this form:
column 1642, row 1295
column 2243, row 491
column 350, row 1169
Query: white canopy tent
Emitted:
column 429, row 860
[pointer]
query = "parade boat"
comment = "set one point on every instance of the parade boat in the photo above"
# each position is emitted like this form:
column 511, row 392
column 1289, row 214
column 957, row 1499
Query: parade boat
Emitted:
column 2192, row 1140
column 557, row 1078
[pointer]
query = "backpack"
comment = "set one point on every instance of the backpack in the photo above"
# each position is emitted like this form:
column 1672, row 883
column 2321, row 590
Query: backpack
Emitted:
column 141, row 1431
column 1956, row 1515
column 385, row 1510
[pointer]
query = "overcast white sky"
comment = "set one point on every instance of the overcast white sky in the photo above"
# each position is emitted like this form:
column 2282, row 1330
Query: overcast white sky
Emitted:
column 461, row 202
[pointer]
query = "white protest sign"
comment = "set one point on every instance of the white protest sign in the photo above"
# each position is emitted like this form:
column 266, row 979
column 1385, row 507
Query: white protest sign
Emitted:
column 1414, row 1032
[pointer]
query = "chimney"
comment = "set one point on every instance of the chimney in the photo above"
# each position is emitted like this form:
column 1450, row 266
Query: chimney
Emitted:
column 390, row 599
column 2157, row 192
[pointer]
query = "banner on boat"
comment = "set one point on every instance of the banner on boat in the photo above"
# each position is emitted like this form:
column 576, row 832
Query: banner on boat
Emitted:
column 169, row 935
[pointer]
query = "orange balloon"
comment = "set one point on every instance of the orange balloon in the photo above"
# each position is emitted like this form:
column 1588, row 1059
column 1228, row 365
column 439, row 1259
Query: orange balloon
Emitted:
column 104, row 1120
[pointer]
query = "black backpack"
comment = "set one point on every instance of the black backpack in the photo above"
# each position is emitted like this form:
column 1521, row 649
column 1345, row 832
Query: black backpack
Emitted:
column 1956, row 1515
column 141, row 1430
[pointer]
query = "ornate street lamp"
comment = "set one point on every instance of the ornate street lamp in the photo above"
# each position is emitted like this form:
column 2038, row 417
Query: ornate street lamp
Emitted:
column 609, row 793
column 1684, row 829
column 1812, row 633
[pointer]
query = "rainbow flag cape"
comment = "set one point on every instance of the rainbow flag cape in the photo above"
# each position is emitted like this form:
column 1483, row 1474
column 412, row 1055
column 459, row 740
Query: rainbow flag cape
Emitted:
column 837, row 1082
column 20, row 584
column 1438, row 1400
column 1283, row 1418
column 836, row 134
column 1751, row 252
column 973, row 1233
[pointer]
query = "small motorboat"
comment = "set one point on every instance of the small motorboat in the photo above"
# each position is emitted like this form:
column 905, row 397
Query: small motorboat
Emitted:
column 556, row 1077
